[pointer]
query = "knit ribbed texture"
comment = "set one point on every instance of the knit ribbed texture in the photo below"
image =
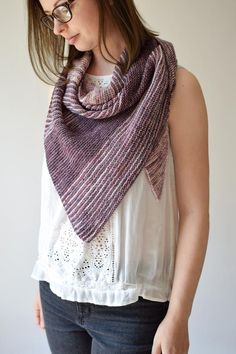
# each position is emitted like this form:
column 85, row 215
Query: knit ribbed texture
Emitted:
column 97, row 144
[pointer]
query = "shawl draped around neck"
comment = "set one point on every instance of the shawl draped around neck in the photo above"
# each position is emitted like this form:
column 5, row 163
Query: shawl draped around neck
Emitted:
column 96, row 143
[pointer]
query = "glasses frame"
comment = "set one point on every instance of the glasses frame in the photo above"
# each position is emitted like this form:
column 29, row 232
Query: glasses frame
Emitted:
column 66, row 4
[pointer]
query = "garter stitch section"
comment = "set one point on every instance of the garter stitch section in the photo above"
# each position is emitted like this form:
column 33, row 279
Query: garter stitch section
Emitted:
column 97, row 143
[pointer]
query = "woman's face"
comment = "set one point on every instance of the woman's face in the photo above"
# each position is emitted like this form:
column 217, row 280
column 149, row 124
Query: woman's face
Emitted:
column 84, row 23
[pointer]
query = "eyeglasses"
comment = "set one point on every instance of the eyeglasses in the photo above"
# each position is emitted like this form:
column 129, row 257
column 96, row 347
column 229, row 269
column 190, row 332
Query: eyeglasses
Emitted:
column 62, row 13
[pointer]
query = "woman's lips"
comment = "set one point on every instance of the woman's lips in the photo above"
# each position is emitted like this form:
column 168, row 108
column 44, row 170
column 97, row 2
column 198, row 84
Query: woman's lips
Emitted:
column 73, row 39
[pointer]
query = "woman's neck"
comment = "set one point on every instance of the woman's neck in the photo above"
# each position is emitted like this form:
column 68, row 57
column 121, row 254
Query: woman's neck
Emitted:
column 99, row 65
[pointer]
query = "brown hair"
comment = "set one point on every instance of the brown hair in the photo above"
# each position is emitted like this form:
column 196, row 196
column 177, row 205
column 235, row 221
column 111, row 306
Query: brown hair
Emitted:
column 49, row 54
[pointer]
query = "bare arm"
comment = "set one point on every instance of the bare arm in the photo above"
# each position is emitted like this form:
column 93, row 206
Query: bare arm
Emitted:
column 188, row 128
column 189, row 140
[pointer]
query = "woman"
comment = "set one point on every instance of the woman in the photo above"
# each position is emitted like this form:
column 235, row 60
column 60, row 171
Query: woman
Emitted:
column 124, row 214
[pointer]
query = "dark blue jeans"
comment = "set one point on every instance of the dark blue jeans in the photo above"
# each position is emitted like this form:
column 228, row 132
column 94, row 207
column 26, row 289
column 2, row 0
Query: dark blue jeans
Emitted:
column 83, row 328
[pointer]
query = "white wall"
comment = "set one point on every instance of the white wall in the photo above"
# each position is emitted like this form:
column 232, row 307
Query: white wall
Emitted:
column 203, row 33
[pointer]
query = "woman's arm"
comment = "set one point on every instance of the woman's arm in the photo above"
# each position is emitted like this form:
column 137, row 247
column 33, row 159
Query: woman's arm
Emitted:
column 189, row 141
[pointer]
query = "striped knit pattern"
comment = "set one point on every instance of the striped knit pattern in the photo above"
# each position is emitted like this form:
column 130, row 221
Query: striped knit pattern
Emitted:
column 96, row 145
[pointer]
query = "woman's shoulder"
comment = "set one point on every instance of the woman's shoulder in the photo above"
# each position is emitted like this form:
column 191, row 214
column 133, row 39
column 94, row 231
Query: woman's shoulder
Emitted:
column 187, row 95
column 185, row 76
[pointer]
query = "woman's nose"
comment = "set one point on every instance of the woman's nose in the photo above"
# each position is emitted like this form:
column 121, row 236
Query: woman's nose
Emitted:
column 58, row 27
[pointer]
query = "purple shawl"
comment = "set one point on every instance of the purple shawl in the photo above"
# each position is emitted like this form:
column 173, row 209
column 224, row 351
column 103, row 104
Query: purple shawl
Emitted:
column 96, row 145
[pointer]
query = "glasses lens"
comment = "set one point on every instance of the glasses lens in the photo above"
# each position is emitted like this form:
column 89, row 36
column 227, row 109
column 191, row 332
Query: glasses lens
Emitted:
column 62, row 13
column 48, row 21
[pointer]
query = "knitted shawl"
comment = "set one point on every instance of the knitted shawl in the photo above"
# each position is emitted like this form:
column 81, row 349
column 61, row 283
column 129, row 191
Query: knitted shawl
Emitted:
column 96, row 144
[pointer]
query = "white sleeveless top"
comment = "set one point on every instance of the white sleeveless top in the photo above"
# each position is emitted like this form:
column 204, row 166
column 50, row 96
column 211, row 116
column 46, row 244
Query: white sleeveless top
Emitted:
column 133, row 255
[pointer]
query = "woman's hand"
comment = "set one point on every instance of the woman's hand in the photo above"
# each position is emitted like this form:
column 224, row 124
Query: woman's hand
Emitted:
column 171, row 336
column 38, row 313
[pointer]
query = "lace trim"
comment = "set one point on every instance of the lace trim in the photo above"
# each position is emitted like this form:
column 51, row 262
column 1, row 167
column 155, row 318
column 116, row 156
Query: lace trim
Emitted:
column 91, row 81
column 77, row 261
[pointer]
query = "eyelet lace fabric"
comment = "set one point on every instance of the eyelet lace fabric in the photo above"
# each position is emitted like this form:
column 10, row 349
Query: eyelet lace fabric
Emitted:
column 91, row 82
column 83, row 263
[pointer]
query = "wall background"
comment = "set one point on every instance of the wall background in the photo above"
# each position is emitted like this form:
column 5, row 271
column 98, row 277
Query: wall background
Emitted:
column 204, row 37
